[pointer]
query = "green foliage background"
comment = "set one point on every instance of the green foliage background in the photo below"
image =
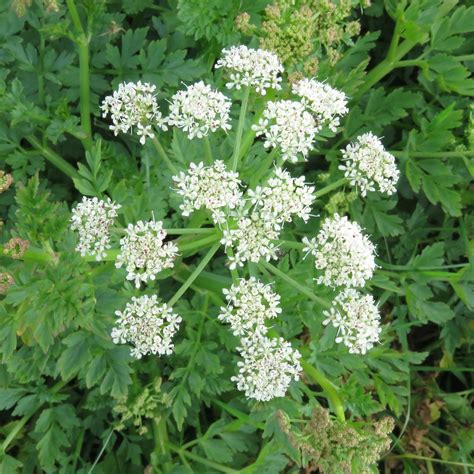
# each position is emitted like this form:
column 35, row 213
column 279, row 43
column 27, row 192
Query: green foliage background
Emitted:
column 73, row 401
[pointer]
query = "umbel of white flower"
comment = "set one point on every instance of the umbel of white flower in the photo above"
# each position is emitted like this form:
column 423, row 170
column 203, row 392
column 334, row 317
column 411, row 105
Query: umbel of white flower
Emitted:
column 326, row 103
column 252, row 240
column 342, row 252
column 148, row 325
column 288, row 126
column 369, row 166
column 253, row 236
column 255, row 68
column 199, row 110
column 134, row 105
column 357, row 319
column 268, row 367
column 283, row 197
column 92, row 219
column 212, row 187
column 144, row 253
column 250, row 303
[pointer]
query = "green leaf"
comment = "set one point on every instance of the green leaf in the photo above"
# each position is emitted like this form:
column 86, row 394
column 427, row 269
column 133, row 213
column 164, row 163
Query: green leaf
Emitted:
column 418, row 298
column 217, row 450
column 9, row 465
column 431, row 256
column 75, row 356
column 376, row 216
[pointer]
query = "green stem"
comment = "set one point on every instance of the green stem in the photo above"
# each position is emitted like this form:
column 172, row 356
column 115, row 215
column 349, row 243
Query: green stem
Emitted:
column 54, row 158
column 384, row 67
column 425, row 458
column 290, row 244
column 202, row 230
column 266, row 163
column 465, row 57
column 84, row 73
column 198, row 244
column 194, row 274
column 249, row 136
column 208, row 150
column 411, row 63
column 160, row 436
column 433, row 154
column 329, row 389
column 408, row 268
column 164, row 156
column 330, row 187
column 298, row 286
column 240, row 129
column 202, row 460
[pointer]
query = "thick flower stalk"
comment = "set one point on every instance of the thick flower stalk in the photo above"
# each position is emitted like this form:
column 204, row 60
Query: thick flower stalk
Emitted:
column 92, row 219
column 344, row 255
column 199, row 110
column 246, row 67
column 368, row 166
column 134, row 106
column 144, row 252
column 148, row 325
column 357, row 319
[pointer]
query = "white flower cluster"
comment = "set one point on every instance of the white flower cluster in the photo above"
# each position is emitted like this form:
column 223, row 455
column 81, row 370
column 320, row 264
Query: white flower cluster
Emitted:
column 287, row 125
column 92, row 219
column 199, row 110
column 250, row 303
column 368, row 164
column 267, row 368
column 268, row 365
column 148, row 324
column 274, row 204
column 252, row 240
column 326, row 103
column 251, row 67
column 134, row 105
column 342, row 252
column 357, row 319
column 144, row 253
column 282, row 197
column 211, row 187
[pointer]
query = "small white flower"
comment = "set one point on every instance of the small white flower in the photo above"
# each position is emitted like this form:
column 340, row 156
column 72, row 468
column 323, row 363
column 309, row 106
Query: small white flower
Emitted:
column 199, row 110
column 342, row 252
column 92, row 219
column 134, row 105
column 268, row 367
column 148, row 324
column 326, row 103
column 144, row 253
column 357, row 319
column 288, row 126
column 252, row 240
column 250, row 302
column 212, row 187
column 368, row 165
column 283, row 197
column 256, row 68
